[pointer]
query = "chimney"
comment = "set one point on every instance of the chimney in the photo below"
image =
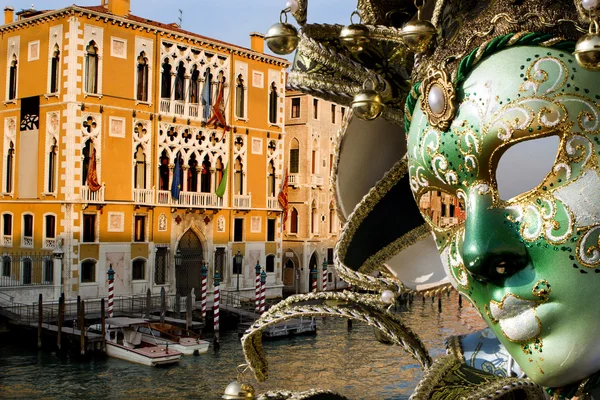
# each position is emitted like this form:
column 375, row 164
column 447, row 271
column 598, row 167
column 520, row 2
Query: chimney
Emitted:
column 9, row 15
column 257, row 42
column 119, row 8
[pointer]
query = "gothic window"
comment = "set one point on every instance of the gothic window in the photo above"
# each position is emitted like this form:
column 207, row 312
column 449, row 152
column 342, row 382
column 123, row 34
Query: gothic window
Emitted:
column 163, row 171
column 240, row 93
column 138, row 270
column 160, row 266
column 294, row 221
column 179, row 82
column 238, row 177
column 205, row 176
column 54, row 69
column 194, row 85
column 273, row 104
column 218, row 171
column 85, row 164
column 88, row 271
column 165, row 88
column 12, row 83
column 10, row 161
column 91, row 68
column 270, row 267
column 207, row 94
column 271, row 179
column 139, row 175
column 142, row 77
column 52, row 166
column 294, row 156
column 192, row 175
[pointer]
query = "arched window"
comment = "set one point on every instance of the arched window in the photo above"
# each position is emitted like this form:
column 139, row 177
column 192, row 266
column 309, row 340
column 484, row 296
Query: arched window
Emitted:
column 314, row 223
column 294, row 221
column 207, row 94
column 138, row 270
column 165, row 88
column 91, row 68
column 163, row 171
column 239, row 97
column 139, row 175
column 238, row 186
column 332, row 218
column 12, row 84
column 142, row 77
column 273, row 104
column 271, row 179
column 88, row 271
column 10, row 159
column 192, row 174
column 194, row 85
column 270, row 267
column 6, row 267
column 27, row 273
column 314, row 157
column 294, row 156
column 54, row 69
column 179, row 81
column 206, row 175
column 85, row 164
column 52, row 166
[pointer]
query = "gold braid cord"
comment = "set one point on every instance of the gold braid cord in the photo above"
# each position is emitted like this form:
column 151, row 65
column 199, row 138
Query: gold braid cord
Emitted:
column 307, row 395
column 449, row 378
column 363, row 308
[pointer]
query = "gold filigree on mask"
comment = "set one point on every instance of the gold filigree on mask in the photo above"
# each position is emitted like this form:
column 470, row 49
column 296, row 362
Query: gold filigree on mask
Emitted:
column 438, row 98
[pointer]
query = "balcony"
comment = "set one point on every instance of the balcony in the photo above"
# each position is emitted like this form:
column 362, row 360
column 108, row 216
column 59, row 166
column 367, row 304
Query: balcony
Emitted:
column 293, row 179
column 190, row 199
column 316, row 180
column 180, row 108
column 87, row 196
column 242, row 201
column 7, row 241
column 143, row 196
column 50, row 243
column 27, row 241
column 273, row 203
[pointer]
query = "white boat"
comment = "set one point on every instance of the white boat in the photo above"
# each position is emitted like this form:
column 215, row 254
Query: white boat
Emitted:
column 176, row 338
column 124, row 341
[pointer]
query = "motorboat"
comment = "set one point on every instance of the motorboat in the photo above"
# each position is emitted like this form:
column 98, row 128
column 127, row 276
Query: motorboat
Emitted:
column 180, row 339
column 124, row 341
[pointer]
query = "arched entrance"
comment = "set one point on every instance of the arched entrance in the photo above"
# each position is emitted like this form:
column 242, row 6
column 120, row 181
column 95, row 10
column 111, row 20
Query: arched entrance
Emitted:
column 314, row 262
column 189, row 274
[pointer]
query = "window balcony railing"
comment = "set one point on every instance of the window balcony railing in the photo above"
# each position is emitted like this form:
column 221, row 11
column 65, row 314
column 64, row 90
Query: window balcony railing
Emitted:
column 242, row 201
column 193, row 110
column 7, row 241
column 165, row 106
column 294, row 179
column 316, row 180
column 190, row 199
column 27, row 241
column 273, row 203
column 50, row 243
column 87, row 196
column 143, row 196
column 180, row 108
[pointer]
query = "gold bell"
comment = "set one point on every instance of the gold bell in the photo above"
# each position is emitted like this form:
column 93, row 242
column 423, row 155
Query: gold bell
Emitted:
column 355, row 36
column 587, row 49
column 418, row 35
column 282, row 38
column 237, row 391
column 368, row 104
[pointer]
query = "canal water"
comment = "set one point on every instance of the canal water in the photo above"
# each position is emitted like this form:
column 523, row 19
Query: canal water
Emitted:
column 349, row 362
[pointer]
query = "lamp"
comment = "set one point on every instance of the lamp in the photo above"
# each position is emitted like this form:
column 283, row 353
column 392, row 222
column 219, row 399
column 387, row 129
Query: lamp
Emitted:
column 110, row 273
column 178, row 258
column 204, row 270
column 239, row 258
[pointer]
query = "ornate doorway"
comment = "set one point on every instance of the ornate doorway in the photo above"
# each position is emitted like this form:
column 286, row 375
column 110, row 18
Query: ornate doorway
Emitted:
column 189, row 274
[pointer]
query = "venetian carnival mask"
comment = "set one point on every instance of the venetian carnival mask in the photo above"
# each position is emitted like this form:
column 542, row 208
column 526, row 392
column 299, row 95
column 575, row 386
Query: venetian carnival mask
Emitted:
column 520, row 155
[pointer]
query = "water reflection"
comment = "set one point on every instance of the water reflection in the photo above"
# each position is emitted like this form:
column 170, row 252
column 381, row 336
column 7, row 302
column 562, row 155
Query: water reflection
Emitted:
column 349, row 362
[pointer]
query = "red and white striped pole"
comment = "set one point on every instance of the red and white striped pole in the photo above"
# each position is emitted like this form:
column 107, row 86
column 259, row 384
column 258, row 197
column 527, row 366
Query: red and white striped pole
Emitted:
column 314, row 280
column 258, row 288
column 263, row 291
column 324, row 287
column 204, row 285
column 111, row 290
column 216, row 305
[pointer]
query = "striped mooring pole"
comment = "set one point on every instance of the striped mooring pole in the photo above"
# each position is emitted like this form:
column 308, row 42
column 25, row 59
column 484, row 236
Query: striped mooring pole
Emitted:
column 111, row 290
column 263, row 291
column 204, row 273
column 314, row 279
column 324, row 288
column 258, row 289
column 216, row 304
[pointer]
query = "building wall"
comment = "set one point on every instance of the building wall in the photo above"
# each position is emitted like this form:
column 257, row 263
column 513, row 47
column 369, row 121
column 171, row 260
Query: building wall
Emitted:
column 117, row 124
column 310, row 189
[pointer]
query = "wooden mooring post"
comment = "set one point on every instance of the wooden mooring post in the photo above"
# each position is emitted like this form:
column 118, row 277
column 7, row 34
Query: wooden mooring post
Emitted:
column 103, row 322
column 81, row 324
column 163, row 305
column 188, row 311
column 78, row 306
column 40, row 320
column 148, row 303
column 178, row 306
column 61, row 316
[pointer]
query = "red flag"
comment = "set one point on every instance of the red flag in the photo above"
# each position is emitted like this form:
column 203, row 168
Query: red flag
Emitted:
column 218, row 116
column 92, row 175
column 283, row 198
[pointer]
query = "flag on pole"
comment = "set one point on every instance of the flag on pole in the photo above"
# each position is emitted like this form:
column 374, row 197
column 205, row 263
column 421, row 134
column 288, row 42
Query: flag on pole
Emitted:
column 218, row 115
column 223, row 185
column 283, row 198
column 176, row 184
column 92, row 175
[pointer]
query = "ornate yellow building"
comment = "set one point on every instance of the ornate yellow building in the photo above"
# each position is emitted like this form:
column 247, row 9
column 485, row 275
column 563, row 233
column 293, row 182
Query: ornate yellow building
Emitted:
column 126, row 141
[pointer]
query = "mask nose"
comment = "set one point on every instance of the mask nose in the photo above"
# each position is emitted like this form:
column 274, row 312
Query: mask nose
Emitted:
column 492, row 251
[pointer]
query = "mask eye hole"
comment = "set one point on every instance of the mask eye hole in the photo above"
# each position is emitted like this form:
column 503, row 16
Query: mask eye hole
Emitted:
column 525, row 165
column 443, row 210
